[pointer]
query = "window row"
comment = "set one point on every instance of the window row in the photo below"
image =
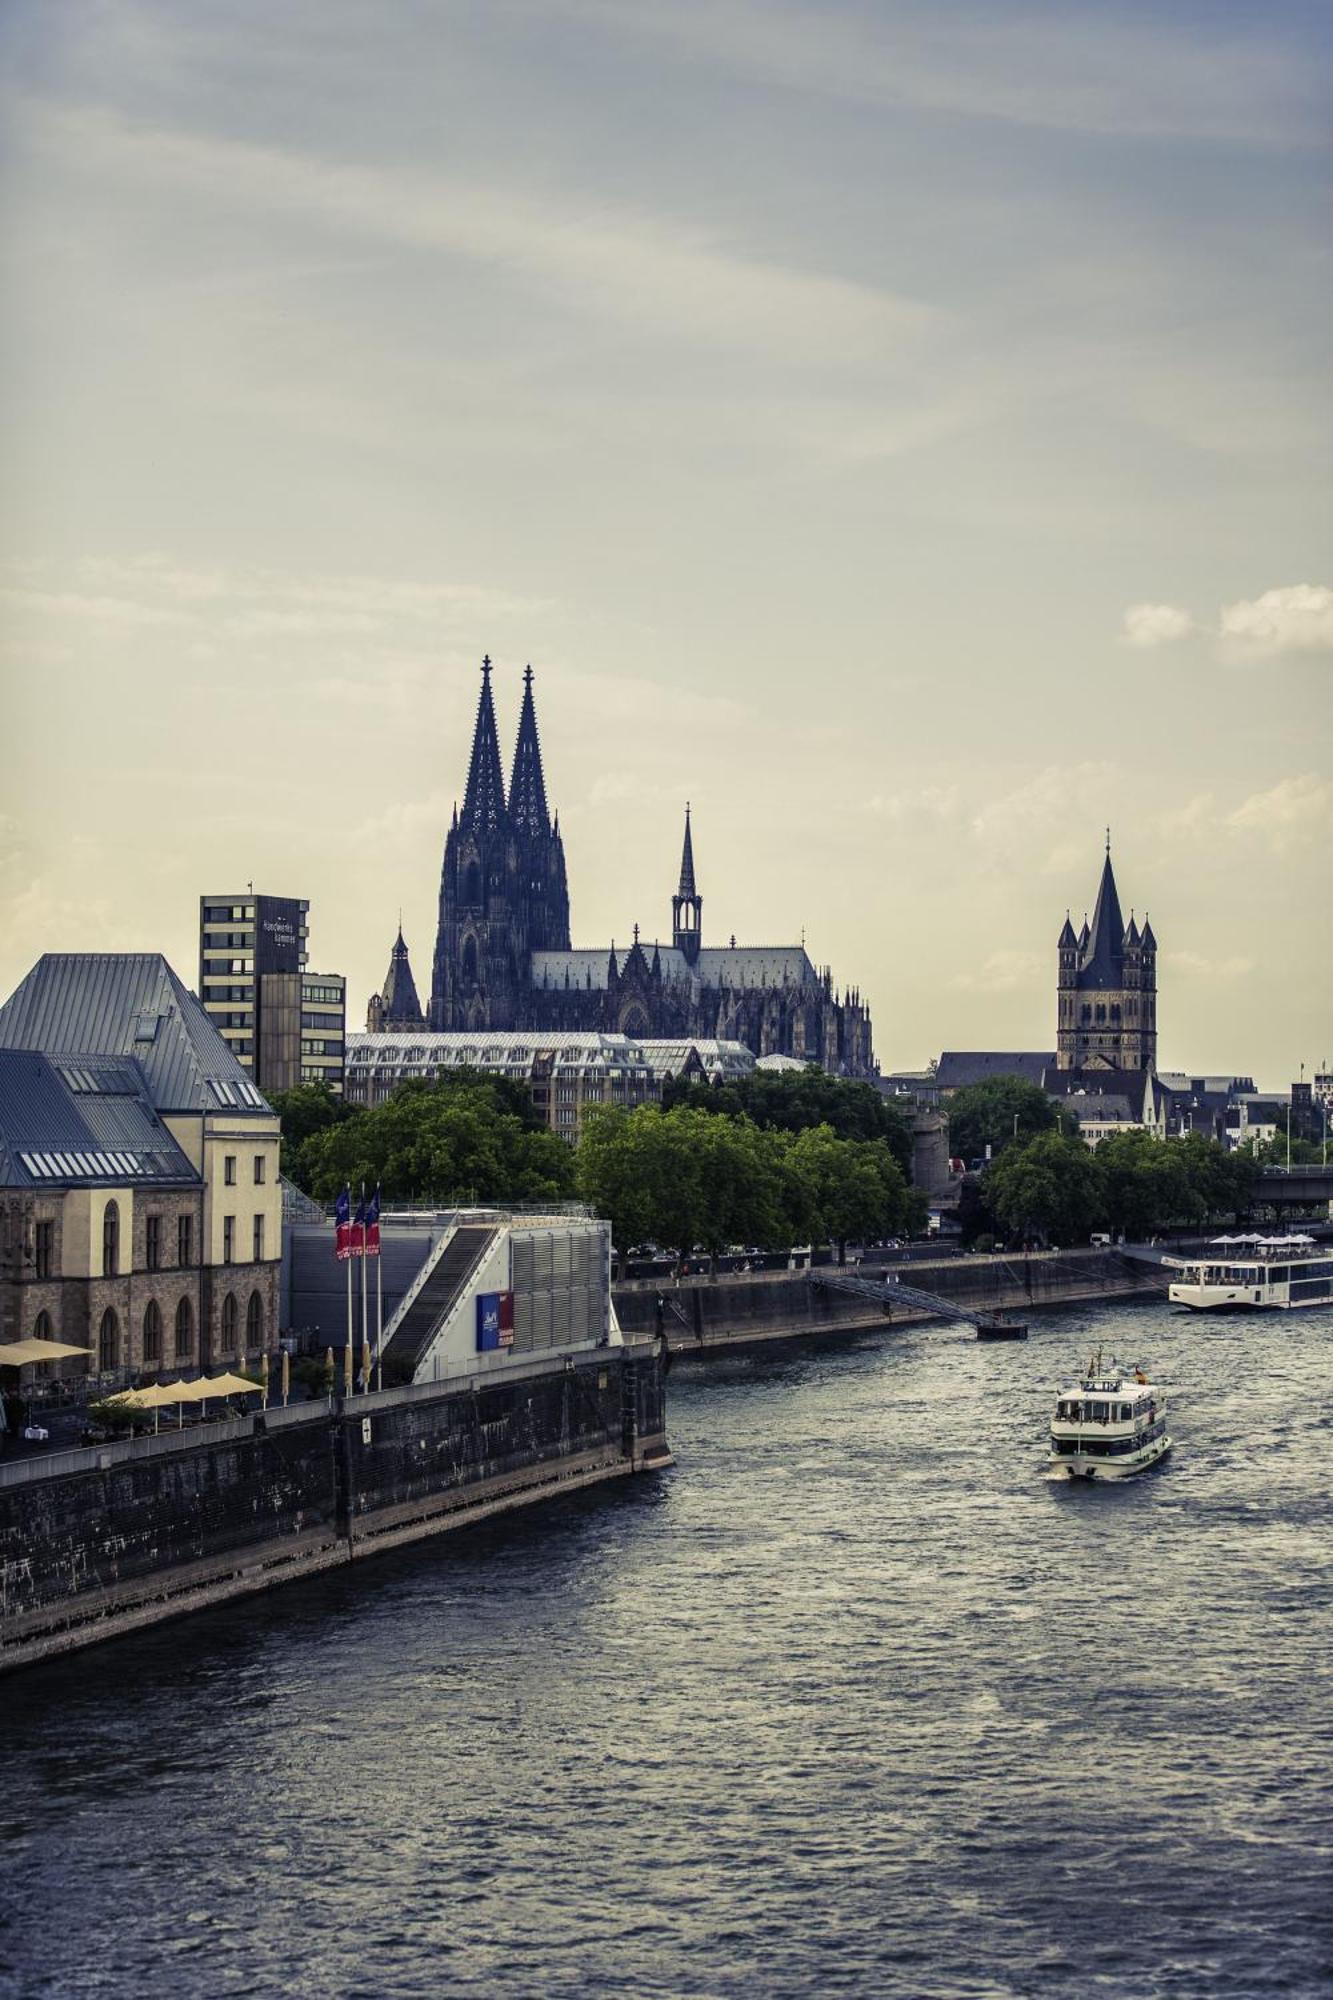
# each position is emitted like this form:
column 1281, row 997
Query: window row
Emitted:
column 258, row 1171
column 109, row 1344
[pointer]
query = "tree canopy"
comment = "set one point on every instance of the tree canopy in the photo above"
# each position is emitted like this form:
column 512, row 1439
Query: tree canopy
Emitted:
column 468, row 1136
column 797, row 1101
column 688, row 1176
column 1000, row 1112
column 1133, row 1184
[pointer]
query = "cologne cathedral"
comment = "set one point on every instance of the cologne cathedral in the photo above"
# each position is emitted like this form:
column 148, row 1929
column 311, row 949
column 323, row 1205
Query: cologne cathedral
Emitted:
column 503, row 957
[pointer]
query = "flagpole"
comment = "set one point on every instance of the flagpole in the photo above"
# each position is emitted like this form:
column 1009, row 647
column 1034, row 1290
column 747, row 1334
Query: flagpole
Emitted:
column 365, row 1328
column 349, row 1279
column 379, row 1313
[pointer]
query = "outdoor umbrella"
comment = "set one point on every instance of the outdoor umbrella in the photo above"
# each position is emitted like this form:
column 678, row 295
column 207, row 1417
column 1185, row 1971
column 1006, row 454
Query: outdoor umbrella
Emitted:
column 365, row 1364
column 286, row 1376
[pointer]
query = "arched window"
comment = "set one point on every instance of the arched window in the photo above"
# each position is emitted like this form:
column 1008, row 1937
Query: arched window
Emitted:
column 229, row 1323
column 110, row 1240
column 472, row 884
column 254, row 1321
column 108, row 1341
column 152, row 1334
column 184, row 1330
column 470, row 961
column 42, row 1327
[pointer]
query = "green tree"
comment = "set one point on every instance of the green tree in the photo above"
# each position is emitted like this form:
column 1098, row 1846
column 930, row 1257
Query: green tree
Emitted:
column 1148, row 1184
column 997, row 1113
column 1223, row 1183
column 799, row 1100
column 856, row 1187
column 1053, row 1186
column 464, row 1137
column 309, row 1109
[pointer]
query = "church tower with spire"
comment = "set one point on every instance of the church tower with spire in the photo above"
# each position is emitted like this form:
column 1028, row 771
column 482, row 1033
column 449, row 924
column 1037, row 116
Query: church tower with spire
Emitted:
column 503, row 890
column 503, row 958
column 477, row 966
column 396, row 1004
column 545, row 888
column 1106, row 1016
column 687, row 905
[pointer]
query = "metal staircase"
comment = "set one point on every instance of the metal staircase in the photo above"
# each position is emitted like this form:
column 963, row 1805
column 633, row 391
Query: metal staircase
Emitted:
column 438, row 1287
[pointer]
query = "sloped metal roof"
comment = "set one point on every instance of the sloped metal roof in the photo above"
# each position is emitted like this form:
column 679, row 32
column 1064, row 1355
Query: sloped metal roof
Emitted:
column 129, row 1004
column 62, row 1124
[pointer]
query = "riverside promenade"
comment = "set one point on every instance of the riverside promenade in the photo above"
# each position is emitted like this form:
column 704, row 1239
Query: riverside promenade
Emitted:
column 705, row 1315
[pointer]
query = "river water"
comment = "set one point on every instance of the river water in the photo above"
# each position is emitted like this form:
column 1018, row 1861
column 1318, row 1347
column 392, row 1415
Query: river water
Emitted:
column 854, row 1701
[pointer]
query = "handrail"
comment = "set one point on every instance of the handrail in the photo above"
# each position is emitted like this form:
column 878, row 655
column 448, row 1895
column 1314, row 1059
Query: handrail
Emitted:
column 460, row 1297
column 409, row 1297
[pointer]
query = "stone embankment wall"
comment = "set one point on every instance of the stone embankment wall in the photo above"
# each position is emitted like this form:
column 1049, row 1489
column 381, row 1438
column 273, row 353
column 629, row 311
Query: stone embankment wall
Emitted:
column 717, row 1315
column 97, row 1542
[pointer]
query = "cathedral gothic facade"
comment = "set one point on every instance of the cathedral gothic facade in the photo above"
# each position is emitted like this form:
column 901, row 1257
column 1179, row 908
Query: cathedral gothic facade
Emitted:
column 503, row 957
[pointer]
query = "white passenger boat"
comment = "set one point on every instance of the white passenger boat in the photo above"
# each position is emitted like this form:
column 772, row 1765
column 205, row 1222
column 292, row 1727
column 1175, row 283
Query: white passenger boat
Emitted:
column 1109, row 1425
column 1273, row 1272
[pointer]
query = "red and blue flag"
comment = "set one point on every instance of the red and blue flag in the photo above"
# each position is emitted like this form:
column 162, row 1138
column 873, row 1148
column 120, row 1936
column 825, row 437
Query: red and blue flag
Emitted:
column 372, row 1208
column 342, row 1226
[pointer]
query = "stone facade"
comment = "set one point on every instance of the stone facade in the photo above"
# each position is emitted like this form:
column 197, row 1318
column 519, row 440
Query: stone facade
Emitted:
column 503, row 957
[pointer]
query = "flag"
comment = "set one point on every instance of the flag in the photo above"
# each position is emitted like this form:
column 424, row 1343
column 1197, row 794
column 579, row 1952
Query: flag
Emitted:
column 373, row 1225
column 342, row 1226
column 358, row 1233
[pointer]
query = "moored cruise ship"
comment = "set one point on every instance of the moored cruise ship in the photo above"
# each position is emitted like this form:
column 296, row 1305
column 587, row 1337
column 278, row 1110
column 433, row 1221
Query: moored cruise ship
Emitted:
column 1110, row 1425
column 1245, row 1272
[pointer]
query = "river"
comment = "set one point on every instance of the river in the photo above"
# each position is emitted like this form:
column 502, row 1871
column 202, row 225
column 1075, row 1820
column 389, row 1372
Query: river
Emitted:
column 855, row 1700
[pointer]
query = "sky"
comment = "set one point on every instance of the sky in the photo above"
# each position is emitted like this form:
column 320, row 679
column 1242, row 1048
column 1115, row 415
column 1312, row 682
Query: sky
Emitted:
column 901, row 429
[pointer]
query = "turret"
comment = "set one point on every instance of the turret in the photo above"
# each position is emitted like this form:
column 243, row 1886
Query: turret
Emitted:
column 687, row 905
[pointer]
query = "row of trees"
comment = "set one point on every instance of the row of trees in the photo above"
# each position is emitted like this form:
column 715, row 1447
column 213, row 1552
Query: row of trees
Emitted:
column 1053, row 1186
column 687, row 1176
column 801, row 1158
column 469, row 1136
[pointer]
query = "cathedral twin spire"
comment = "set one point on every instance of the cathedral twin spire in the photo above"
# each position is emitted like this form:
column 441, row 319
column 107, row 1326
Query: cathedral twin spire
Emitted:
column 484, row 808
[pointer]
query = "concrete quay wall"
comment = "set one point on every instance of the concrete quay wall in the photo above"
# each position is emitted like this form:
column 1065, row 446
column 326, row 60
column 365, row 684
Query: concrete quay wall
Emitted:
column 715, row 1316
column 95, row 1543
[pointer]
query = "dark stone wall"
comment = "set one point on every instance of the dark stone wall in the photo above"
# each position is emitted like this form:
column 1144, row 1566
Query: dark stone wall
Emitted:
column 130, row 1525
column 728, row 1311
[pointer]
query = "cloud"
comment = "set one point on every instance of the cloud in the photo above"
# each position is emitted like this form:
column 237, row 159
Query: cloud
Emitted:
column 1002, row 972
column 1055, row 798
column 1195, row 966
column 1296, row 810
column 1155, row 624
column 1078, row 71
column 602, row 259
column 1296, row 618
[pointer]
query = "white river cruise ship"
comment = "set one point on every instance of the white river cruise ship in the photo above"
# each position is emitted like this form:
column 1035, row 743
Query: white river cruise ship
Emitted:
column 1110, row 1425
column 1236, row 1272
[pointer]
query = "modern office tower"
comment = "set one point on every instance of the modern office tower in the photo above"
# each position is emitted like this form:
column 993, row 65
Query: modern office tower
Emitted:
column 285, row 1024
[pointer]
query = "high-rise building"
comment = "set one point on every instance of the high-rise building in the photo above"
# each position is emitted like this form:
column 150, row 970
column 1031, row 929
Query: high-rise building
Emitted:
column 283, row 1023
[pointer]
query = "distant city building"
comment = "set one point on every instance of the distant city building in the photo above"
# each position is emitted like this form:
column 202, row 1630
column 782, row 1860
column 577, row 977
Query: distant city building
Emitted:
column 284, row 1024
column 1107, row 988
column 503, row 958
column 565, row 1070
column 140, row 1205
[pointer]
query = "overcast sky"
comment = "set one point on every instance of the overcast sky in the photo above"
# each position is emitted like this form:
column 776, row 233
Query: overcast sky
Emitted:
column 901, row 429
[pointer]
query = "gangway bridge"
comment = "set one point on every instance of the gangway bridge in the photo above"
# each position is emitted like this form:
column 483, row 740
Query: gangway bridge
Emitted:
column 891, row 1291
